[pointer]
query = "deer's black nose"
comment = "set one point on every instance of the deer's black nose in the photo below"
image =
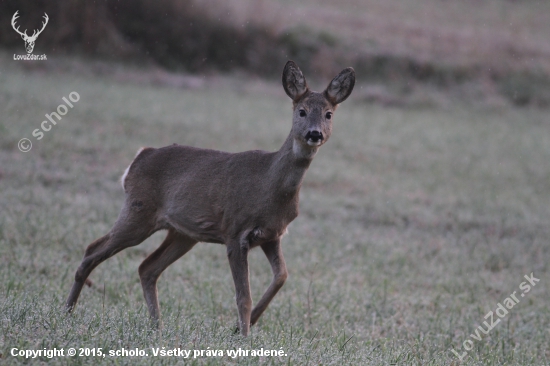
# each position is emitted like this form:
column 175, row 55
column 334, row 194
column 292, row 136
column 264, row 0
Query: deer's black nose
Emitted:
column 314, row 136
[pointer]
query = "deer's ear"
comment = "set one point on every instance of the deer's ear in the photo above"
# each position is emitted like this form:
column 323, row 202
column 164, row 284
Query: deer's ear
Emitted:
column 341, row 86
column 294, row 82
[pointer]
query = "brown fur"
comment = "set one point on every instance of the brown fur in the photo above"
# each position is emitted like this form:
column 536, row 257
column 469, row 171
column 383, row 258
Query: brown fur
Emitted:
column 242, row 200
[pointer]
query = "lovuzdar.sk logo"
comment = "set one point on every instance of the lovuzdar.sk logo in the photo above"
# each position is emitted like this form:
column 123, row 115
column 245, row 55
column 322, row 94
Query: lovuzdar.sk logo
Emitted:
column 29, row 40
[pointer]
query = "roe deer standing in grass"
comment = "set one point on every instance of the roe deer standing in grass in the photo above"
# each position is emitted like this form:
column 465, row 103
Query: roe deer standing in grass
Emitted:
column 242, row 200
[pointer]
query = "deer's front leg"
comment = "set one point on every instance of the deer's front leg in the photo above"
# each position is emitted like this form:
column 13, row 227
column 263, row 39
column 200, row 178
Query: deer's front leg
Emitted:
column 274, row 254
column 238, row 261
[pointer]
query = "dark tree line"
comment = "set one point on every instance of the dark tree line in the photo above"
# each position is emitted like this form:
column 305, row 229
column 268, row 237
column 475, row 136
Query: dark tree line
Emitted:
column 176, row 34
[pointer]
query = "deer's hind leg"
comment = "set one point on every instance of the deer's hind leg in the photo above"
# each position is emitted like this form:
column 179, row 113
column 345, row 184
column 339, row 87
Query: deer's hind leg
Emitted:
column 131, row 228
column 175, row 245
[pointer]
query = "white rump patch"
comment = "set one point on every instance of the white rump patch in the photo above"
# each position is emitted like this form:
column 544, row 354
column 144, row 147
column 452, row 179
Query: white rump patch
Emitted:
column 123, row 178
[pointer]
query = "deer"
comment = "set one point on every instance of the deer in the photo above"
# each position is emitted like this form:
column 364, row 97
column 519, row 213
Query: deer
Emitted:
column 29, row 41
column 241, row 200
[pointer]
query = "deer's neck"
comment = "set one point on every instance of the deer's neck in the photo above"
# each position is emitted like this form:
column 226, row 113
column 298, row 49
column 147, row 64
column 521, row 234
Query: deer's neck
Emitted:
column 290, row 165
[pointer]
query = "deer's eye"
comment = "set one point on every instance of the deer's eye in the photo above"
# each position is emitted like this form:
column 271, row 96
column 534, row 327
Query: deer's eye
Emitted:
column 302, row 113
column 328, row 115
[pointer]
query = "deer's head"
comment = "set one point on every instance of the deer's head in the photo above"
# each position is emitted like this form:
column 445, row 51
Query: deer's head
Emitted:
column 29, row 40
column 313, row 111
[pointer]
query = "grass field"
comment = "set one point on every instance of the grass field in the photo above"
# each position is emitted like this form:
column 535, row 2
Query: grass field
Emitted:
column 414, row 224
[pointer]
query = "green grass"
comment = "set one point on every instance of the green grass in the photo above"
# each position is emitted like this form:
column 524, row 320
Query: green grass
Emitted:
column 414, row 224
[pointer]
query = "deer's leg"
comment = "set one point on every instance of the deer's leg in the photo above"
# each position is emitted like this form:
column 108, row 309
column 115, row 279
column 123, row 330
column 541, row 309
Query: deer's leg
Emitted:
column 238, row 261
column 274, row 254
column 125, row 233
column 175, row 245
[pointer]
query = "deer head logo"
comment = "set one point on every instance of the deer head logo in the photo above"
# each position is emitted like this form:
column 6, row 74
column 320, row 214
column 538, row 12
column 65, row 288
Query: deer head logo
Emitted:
column 29, row 41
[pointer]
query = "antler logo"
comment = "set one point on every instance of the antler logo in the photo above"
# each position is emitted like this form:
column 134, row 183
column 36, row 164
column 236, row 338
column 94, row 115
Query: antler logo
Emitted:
column 29, row 41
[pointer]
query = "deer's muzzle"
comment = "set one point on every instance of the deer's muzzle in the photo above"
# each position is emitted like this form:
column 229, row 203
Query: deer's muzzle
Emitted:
column 314, row 138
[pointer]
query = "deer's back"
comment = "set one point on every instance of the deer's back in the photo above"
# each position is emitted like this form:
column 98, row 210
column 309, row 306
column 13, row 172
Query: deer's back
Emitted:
column 207, row 194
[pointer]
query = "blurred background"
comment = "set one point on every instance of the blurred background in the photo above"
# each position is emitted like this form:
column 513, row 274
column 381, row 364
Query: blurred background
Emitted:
column 491, row 50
